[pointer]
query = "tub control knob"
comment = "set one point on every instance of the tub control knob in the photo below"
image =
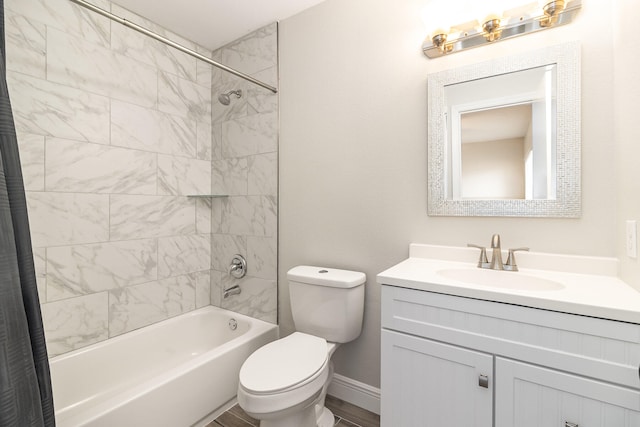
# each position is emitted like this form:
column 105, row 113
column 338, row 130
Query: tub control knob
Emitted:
column 238, row 267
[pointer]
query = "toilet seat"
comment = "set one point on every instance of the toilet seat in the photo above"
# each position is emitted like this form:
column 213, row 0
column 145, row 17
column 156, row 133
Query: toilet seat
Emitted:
column 284, row 365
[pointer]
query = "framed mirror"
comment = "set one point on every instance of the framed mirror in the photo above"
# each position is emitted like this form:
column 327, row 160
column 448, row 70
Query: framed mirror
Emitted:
column 504, row 136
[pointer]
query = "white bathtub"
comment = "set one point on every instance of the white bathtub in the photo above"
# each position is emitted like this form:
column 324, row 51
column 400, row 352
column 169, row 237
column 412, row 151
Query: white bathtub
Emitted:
column 177, row 373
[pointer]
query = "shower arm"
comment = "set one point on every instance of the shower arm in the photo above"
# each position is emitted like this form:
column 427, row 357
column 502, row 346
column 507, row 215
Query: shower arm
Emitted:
column 171, row 43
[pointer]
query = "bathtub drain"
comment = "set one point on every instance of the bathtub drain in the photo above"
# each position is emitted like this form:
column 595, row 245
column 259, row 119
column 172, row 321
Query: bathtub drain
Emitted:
column 233, row 324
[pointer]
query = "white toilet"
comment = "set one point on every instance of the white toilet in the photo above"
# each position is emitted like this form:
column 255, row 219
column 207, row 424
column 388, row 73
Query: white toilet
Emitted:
column 284, row 383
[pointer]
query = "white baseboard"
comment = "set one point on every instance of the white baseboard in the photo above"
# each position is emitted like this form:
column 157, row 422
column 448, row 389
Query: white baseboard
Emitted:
column 355, row 392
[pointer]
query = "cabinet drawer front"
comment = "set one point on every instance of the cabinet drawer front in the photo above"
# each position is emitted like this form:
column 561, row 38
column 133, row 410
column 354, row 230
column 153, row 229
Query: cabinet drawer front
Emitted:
column 598, row 348
column 430, row 384
column 531, row 396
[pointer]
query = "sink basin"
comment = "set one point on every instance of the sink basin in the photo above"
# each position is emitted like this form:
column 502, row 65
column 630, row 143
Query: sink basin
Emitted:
column 501, row 279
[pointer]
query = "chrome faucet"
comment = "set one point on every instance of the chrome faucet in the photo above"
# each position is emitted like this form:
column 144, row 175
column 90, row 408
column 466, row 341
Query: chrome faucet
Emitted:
column 234, row 290
column 496, row 256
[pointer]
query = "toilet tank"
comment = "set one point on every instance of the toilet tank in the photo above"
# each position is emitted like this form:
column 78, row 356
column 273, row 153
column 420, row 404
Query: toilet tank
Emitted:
column 327, row 302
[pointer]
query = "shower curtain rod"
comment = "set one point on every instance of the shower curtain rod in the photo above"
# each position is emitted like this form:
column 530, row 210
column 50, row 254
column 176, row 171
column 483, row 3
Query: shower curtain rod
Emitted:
column 171, row 43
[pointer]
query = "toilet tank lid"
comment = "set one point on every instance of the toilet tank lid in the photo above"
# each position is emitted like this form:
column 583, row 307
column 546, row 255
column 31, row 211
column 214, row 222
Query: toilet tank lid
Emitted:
column 324, row 276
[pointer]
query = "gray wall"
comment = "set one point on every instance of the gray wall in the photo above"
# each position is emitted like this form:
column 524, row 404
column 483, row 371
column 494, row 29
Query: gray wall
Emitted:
column 353, row 150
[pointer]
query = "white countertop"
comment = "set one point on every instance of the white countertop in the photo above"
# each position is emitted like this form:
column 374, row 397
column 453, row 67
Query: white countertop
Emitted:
column 597, row 293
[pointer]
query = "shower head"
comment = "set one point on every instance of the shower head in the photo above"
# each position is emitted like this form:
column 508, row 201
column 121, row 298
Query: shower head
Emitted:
column 225, row 98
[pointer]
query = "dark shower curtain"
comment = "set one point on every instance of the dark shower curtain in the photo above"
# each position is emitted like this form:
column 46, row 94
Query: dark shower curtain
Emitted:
column 25, row 383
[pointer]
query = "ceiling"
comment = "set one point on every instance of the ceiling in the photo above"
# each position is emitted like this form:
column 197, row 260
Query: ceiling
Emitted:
column 496, row 124
column 214, row 23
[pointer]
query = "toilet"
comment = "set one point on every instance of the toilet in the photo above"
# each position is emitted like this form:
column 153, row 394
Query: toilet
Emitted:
column 284, row 383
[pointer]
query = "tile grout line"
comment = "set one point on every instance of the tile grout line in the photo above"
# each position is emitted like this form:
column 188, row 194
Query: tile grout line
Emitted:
column 248, row 423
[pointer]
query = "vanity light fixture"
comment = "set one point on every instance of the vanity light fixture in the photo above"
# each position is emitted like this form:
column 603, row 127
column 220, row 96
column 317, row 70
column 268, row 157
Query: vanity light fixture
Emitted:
column 491, row 29
column 436, row 19
column 440, row 41
column 495, row 26
column 491, row 24
column 551, row 11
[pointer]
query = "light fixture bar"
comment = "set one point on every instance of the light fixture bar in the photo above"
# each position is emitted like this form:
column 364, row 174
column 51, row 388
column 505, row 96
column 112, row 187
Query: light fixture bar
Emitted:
column 469, row 40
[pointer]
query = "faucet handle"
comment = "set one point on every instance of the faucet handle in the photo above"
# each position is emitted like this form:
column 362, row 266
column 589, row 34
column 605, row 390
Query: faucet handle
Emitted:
column 238, row 266
column 483, row 262
column 510, row 265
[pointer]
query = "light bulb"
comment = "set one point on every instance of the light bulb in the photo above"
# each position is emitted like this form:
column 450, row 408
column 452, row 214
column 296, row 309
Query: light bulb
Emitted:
column 543, row 3
column 491, row 9
column 494, row 9
column 436, row 17
column 551, row 9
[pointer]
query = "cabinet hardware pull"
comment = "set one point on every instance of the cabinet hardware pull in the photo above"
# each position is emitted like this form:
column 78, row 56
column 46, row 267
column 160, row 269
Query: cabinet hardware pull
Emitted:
column 568, row 424
column 483, row 381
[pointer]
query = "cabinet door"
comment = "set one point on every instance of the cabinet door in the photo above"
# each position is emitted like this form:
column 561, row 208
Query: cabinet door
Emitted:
column 531, row 396
column 429, row 384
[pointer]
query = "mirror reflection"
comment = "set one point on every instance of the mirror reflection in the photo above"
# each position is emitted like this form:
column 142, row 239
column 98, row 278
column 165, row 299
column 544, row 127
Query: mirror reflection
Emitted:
column 502, row 136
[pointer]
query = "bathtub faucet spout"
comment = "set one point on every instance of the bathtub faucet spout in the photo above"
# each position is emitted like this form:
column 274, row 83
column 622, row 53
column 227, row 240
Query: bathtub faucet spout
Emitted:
column 234, row 290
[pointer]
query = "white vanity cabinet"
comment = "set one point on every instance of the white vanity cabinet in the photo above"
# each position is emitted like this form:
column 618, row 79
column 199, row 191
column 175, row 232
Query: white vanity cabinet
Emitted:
column 533, row 396
column 457, row 361
column 430, row 383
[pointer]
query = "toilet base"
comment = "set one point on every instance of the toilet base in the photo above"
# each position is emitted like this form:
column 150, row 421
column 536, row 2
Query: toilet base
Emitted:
column 326, row 418
column 304, row 418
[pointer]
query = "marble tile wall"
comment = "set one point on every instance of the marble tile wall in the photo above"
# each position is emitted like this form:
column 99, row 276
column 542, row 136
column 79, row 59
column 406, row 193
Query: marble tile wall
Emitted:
column 115, row 130
column 245, row 167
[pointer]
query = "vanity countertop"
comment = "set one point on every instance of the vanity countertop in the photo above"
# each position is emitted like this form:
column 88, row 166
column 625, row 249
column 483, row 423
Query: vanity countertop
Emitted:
column 590, row 286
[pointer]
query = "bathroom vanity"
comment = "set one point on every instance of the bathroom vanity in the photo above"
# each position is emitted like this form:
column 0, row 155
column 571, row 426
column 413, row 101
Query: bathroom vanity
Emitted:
column 553, row 347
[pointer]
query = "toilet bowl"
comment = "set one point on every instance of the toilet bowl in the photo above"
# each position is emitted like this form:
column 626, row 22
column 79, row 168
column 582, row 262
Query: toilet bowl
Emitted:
column 284, row 383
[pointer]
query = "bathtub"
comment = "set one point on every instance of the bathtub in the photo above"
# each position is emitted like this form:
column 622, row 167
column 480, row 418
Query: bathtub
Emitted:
column 177, row 373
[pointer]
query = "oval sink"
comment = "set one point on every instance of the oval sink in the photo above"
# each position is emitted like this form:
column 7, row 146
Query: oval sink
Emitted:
column 501, row 279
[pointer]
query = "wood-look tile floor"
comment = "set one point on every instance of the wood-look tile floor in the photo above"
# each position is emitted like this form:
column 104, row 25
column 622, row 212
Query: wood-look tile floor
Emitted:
column 346, row 414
